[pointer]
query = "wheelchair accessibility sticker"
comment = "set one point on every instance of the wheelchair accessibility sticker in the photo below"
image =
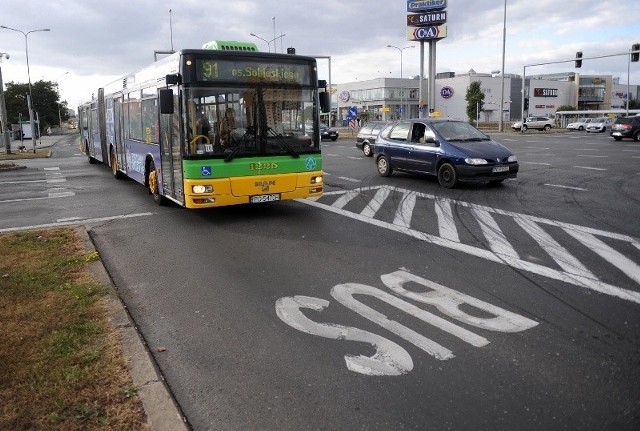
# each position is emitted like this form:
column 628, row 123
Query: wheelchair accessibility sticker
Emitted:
column 205, row 171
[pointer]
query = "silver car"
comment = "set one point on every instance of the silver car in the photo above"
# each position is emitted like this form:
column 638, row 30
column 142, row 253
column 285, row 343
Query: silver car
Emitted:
column 540, row 123
column 600, row 125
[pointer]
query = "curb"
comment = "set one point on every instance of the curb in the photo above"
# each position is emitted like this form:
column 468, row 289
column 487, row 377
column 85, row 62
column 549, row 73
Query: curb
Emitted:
column 163, row 413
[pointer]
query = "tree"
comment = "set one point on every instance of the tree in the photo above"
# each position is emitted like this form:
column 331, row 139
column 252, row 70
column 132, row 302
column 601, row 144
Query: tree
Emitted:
column 45, row 103
column 475, row 100
column 567, row 108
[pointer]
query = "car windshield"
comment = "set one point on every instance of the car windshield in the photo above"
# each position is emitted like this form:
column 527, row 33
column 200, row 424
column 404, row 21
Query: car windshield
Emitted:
column 459, row 131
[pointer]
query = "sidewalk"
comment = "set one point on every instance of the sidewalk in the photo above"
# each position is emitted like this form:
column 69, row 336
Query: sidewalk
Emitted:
column 42, row 142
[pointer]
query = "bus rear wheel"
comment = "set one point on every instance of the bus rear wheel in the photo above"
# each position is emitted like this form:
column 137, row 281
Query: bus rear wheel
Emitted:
column 114, row 166
column 154, row 186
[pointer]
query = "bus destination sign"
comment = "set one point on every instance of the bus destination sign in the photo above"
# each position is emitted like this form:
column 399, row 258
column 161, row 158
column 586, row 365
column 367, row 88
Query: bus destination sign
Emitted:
column 251, row 71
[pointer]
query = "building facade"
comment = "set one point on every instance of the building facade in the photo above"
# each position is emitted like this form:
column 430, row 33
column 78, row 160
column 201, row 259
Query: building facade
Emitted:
column 394, row 98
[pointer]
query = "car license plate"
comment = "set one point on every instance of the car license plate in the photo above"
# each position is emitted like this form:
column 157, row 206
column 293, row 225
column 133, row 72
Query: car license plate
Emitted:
column 616, row 134
column 500, row 169
column 264, row 198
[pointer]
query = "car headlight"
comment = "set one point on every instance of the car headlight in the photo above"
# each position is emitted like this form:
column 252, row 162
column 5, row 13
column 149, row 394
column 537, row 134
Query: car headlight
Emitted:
column 471, row 161
column 512, row 158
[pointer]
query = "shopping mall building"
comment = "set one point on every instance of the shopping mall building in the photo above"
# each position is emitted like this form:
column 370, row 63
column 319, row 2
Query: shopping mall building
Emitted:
column 393, row 98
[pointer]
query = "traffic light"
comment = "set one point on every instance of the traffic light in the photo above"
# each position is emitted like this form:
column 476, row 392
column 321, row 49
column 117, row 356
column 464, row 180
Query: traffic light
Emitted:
column 578, row 62
column 526, row 103
column 635, row 56
column 291, row 50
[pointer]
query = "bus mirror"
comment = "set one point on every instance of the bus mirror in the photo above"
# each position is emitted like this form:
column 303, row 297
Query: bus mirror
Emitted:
column 166, row 101
column 172, row 79
column 325, row 102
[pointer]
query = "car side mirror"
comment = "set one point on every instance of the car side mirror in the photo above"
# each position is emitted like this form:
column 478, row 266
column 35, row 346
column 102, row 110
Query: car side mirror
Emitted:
column 429, row 139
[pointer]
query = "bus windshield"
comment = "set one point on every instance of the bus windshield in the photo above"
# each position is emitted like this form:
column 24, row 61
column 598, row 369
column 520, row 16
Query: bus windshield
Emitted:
column 251, row 120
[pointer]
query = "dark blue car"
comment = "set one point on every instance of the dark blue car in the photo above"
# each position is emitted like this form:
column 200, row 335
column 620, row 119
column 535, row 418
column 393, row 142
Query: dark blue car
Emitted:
column 450, row 149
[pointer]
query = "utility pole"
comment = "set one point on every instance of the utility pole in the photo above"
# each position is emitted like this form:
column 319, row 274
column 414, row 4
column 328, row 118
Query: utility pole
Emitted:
column 3, row 111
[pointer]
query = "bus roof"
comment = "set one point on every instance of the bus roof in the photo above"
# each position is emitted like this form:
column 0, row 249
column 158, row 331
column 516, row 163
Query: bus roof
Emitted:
column 230, row 45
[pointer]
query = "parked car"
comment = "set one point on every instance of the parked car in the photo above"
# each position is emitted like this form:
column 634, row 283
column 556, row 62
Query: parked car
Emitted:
column 600, row 124
column 367, row 135
column 580, row 124
column 540, row 123
column 327, row 132
column 452, row 150
column 626, row 127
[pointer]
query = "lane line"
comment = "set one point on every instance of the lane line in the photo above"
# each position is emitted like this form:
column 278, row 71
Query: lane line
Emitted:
column 566, row 187
column 588, row 167
column 73, row 222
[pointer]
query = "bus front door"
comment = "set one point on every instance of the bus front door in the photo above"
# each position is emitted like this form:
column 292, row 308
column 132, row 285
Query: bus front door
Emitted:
column 171, row 157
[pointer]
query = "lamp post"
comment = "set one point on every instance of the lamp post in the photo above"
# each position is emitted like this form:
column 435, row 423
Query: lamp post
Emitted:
column 401, row 89
column 268, row 42
column 30, row 98
column 264, row 40
column 3, row 111
column 59, row 103
column 504, row 38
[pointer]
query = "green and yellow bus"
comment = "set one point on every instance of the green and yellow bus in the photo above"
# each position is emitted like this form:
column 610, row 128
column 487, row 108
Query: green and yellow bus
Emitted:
column 212, row 127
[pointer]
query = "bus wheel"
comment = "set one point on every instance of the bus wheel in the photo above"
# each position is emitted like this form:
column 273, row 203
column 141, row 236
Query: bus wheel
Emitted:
column 91, row 159
column 114, row 166
column 154, row 187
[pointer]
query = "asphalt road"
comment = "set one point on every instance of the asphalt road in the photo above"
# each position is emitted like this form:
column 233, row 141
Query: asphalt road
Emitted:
column 389, row 303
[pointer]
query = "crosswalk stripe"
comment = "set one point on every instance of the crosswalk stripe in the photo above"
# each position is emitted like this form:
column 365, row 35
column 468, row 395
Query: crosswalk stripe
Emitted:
column 497, row 241
column 446, row 224
column 617, row 259
column 375, row 203
column 404, row 212
column 553, row 248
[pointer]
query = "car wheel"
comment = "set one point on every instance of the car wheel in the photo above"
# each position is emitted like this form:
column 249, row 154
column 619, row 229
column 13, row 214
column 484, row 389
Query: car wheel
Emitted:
column 384, row 167
column 547, row 127
column 524, row 128
column 447, row 176
column 366, row 149
column 581, row 128
column 333, row 139
column 636, row 137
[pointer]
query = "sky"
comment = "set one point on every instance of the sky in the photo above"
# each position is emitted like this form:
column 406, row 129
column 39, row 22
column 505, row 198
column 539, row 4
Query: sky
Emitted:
column 93, row 42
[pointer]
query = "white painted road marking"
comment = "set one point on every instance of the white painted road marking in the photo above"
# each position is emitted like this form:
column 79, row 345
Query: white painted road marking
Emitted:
column 74, row 221
column 391, row 359
column 500, row 250
column 567, row 187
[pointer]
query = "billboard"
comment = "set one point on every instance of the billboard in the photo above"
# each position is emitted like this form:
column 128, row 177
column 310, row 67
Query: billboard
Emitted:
column 433, row 32
column 414, row 6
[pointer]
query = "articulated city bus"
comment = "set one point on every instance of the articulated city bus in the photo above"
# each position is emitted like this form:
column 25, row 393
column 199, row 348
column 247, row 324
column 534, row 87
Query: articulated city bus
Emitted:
column 212, row 127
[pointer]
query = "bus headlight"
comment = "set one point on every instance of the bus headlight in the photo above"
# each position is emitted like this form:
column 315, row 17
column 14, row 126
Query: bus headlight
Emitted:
column 199, row 189
column 316, row 180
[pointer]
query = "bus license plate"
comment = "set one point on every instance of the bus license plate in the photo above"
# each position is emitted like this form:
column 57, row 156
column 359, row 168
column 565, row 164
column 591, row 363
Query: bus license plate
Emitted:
column 264, row 198
column 500, row 169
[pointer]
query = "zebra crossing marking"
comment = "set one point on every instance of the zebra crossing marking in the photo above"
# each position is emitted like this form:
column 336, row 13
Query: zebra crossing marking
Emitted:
column 500, row 249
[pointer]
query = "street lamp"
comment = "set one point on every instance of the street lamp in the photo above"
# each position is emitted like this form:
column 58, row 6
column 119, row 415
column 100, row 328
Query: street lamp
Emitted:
column 30, row 99
column 58, row 89
column 264, row 40
column 402, row 89
column 268, row 42
column 3, row 111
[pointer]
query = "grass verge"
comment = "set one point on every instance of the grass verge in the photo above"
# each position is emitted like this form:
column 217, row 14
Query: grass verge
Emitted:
column 61, row 365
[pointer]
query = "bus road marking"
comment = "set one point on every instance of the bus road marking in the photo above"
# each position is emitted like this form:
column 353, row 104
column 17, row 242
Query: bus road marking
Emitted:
column 566, row 187
column 390, row 359
column 588, row 167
